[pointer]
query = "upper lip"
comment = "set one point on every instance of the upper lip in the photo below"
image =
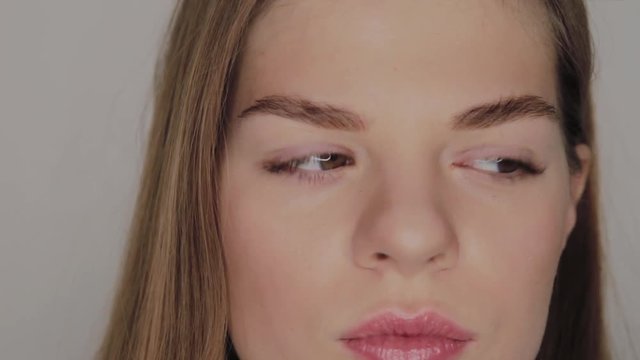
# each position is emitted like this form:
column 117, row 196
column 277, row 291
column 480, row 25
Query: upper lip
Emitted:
column 426, row 323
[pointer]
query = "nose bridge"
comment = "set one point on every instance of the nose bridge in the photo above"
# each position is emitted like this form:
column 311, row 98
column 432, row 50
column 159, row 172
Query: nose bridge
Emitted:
column 406, row 226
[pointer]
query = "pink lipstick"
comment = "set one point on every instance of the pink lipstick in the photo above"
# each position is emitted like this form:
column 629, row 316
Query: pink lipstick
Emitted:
column 427, row 336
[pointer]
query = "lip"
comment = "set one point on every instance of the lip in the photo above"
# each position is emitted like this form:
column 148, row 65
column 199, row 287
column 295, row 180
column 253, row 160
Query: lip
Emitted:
column 425, row 336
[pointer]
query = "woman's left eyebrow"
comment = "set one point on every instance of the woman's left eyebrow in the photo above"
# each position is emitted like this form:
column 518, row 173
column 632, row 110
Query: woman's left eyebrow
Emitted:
column 504, row 110
column 327, row 116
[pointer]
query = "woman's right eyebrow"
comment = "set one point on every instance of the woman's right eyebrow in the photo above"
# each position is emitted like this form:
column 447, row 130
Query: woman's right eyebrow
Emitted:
column 327, row 116
column 318, row 114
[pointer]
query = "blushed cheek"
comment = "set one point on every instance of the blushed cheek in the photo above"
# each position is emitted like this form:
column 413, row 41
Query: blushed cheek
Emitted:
column 528, row 264
column 266, row 276
column 251, row 278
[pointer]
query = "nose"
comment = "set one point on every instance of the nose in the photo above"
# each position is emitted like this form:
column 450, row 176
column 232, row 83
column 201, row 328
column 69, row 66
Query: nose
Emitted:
column 405, row 227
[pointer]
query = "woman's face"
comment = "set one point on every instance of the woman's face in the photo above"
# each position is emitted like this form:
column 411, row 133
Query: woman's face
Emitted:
column 406, row 206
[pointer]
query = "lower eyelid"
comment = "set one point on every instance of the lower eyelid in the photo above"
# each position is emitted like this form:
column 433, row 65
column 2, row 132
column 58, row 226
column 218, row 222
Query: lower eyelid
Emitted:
column 280, row 167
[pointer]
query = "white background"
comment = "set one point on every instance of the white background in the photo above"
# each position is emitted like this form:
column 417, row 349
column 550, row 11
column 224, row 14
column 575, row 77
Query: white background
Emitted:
column 75, row 96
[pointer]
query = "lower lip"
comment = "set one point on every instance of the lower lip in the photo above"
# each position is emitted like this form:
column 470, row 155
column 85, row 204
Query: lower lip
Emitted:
column 406, row 347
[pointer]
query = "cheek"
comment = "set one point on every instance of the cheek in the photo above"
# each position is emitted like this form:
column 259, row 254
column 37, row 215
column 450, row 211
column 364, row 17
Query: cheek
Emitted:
column 516, row 252
column 277, row 270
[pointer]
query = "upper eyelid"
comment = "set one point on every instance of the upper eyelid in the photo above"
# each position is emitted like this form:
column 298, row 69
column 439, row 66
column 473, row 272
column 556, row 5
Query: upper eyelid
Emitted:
column 302, row 151
column 525, row 155
column 526, row 158
column 321, row 176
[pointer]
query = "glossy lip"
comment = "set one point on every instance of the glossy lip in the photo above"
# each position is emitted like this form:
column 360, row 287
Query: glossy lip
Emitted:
column 390, row 336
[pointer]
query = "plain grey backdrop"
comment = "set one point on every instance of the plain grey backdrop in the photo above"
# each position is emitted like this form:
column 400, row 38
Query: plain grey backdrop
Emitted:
column 75, row 96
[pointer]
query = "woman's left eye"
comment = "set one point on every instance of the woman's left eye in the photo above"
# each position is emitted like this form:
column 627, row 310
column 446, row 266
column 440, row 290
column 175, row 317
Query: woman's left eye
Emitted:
column 507, row 167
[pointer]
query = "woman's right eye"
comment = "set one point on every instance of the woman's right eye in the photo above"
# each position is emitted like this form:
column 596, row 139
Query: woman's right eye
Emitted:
column 321, row 162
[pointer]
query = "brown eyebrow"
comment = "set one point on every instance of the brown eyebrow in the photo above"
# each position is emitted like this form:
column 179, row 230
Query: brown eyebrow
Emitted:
column 334, row 117
column 503, row 111
column 318, row 114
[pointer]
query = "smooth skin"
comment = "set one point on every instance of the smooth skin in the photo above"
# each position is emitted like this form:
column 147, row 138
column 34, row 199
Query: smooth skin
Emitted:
column 410, row 214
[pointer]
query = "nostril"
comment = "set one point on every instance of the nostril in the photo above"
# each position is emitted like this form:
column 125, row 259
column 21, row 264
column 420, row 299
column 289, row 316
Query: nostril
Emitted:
column 381, row 256
column 435, row 258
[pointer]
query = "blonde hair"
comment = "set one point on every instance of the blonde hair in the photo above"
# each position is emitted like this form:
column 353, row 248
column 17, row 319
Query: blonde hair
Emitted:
column 172, row 297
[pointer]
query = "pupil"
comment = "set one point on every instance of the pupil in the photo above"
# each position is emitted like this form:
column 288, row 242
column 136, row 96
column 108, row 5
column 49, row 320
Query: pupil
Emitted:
column 327, row 160
column 507, row 166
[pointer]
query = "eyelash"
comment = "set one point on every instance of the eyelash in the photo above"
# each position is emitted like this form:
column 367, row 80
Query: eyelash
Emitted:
column 524, row 168
column 290, row 168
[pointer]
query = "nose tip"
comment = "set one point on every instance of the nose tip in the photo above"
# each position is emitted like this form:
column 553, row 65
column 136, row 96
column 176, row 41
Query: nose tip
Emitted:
column 406, row 239
column 425, row 245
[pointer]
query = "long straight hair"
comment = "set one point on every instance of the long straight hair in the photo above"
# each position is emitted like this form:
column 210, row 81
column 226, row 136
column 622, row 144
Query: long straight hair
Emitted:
column 172, row 303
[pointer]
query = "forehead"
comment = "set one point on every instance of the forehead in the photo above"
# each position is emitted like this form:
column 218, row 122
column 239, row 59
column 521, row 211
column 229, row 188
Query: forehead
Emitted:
column 427, row 54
